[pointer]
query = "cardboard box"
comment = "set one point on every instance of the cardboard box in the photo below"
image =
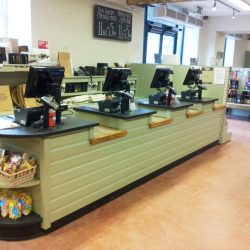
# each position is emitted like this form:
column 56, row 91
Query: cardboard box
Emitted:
column 65, row 61
column 5, row 99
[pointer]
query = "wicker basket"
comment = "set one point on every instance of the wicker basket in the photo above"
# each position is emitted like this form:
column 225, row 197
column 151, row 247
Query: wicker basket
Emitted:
column 19, row 177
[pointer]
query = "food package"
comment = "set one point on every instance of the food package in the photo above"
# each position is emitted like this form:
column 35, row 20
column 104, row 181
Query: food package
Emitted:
column 26, row 203
column 5, row 205
column 14, row 209
column 11, row 162
column 15, row 204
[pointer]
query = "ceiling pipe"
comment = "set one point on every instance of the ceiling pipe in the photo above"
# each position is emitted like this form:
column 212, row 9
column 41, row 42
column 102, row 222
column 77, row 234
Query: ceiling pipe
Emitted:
column 142, row 2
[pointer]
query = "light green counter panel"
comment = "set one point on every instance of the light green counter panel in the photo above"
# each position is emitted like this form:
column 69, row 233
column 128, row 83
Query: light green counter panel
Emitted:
column 95, row 171
column 111, row 122
column 73, row 173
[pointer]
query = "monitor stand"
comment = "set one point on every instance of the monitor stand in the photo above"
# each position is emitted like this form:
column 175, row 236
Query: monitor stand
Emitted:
column 162, row 98
column 159, row 98
column 191, row 93
column 110, row 106
column 54, row 91
column 124, row 105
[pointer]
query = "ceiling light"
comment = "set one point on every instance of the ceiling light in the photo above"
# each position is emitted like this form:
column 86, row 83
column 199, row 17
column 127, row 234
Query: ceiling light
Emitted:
column 240, row 4
column 214, row 7
column 233, row 16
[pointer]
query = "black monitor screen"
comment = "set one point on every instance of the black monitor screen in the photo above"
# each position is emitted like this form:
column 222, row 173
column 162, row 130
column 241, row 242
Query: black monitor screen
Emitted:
column 40, row 80
column 192, row 77
column 116, row 79
column 161, row 78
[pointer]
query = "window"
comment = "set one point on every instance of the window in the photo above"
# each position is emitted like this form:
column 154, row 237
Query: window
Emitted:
column 173, row 38
column 229, row 52
column 160, row 40
column 153, row 46
column 190, row 46
column 179, row 43
column 168, row 45
column 15, row 20
column 3, row 17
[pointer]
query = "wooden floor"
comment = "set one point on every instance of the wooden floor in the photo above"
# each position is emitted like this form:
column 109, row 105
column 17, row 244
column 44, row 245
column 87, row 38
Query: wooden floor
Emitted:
column 203, row 204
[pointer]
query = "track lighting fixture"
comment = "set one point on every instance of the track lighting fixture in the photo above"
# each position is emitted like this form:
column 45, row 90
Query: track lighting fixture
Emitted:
column 227, row 5
column 214, row 7
column 233, row 16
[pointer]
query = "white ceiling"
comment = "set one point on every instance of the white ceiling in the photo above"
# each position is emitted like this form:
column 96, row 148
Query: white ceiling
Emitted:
column 221, row 10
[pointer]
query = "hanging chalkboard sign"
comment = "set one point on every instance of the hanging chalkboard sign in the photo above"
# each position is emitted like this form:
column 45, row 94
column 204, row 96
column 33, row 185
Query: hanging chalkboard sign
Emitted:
column 112, row 24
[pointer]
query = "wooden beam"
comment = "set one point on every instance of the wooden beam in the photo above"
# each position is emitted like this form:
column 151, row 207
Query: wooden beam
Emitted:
column 142, row 2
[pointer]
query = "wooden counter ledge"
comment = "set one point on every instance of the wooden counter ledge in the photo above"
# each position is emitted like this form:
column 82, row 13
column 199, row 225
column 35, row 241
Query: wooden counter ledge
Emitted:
column 193, row 113
column 217, row 107
column 159, row 121
column 103, row 134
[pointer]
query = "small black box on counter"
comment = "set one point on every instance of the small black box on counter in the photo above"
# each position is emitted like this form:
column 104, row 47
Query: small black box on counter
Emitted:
column 16, row 58
column 76, row 87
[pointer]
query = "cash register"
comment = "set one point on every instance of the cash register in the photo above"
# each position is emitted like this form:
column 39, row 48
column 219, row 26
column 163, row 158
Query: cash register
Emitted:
column 195, row 87
column 44, row 83
column 117, row 91
column 164, row 86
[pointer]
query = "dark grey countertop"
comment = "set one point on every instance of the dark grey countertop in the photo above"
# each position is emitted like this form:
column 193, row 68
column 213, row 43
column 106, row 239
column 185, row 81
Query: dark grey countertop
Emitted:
column 69, row 124
column 173, row 107
column 204, row 100
column 131, row 115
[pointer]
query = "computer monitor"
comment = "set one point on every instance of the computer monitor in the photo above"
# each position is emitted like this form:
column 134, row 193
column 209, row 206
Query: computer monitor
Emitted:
column 192, row 80
column 192, row 77
column 161, row 78
column 101, row 69
column 42, row 81
column 116, row 80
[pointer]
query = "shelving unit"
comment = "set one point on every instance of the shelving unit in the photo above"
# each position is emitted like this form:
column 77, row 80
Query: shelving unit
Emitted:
column 24, row 228
column 93, row 84
column 28, row 226
column 31, row 183
column 239, row 104
column 14, row 68
column 14, row 75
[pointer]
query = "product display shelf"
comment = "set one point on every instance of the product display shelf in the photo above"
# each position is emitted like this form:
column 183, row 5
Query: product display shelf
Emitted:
column 31, row 183
column 29, row 226
column 7, row 68
column 238, row 106
column 26, row 227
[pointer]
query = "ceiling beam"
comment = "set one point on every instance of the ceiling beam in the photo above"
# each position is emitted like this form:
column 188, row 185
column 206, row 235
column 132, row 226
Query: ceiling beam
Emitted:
column 140, row 2
column 227, row 5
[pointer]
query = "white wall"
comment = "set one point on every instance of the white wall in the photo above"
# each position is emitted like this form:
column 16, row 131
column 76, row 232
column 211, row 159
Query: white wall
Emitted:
column 208, row 34
column 239, row 52
column 68, row 25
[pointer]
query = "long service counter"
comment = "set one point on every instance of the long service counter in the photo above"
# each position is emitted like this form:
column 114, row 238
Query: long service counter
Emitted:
column 75, row 175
